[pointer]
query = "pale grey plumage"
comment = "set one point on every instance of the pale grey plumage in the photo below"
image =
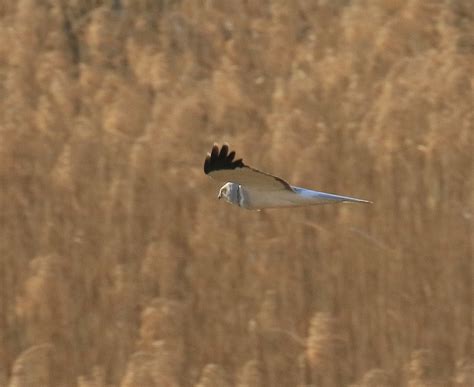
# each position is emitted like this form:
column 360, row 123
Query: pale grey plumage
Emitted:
column 252, row 189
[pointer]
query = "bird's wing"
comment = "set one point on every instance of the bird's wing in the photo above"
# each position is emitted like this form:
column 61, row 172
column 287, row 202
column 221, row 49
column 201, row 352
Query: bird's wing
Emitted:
column 220, row 165
column 317, row 197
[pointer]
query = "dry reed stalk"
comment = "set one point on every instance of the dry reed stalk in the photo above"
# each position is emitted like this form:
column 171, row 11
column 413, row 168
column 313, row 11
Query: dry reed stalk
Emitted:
column 320, row 341
column 250, row 375
column 138, row 371
column 268, row 315
column 375, row 378
column 464, row 374
column 213, row 376
column 32, row 367
column 421, row 370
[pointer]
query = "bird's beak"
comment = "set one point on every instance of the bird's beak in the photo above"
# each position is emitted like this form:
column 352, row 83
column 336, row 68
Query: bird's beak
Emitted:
column 219, row 196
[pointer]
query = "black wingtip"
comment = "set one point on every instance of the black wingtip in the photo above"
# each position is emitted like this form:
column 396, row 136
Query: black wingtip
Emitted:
column 231, row 156
column 215, row 151
column 207, row 164
column 224, row 151
column 219, row 159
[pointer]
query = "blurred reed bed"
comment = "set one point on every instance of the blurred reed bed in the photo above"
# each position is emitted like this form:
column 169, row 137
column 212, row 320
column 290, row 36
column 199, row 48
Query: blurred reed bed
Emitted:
column 120, row 267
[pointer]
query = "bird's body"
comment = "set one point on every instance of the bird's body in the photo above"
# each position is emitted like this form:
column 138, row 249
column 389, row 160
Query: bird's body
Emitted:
column 254, row 190
column 255, row 200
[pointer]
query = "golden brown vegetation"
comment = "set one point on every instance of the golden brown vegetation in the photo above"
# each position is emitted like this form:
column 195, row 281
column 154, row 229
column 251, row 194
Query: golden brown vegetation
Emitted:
column 118, row 265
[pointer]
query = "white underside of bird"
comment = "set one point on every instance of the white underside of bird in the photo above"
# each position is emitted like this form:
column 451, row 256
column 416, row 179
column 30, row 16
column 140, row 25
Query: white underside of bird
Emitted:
column 255, row 190
column 255, row 200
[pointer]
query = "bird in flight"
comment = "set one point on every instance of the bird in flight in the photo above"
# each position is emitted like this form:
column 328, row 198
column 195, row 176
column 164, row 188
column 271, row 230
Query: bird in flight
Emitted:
column 252, row 189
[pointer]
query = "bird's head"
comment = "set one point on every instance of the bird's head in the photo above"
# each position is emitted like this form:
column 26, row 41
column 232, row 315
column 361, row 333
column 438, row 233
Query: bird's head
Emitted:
column 228, row 192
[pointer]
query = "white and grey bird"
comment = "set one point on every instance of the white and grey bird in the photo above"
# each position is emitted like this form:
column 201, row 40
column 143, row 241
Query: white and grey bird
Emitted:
column 252, row 189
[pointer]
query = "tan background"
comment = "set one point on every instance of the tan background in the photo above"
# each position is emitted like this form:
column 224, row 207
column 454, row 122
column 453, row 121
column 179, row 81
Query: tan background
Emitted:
column 118, row 265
